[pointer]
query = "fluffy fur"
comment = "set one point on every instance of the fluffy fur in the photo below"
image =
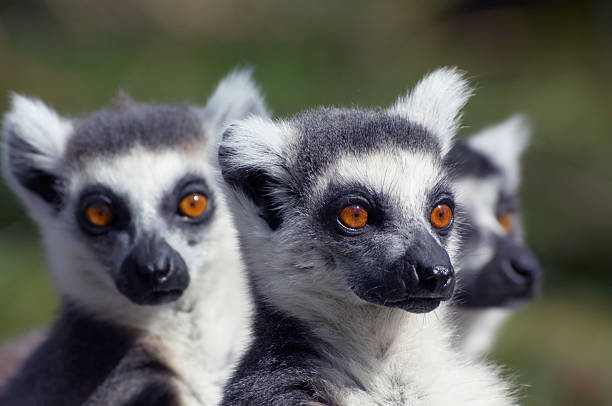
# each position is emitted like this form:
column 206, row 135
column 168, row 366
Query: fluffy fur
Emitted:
column 174, row 353
column 318, row 338
column 487, row 174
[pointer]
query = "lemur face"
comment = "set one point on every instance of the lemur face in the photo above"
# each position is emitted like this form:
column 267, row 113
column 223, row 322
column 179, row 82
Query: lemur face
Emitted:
column 497, row 267
column 146, row 218
column 353, row 204
column 124, row 197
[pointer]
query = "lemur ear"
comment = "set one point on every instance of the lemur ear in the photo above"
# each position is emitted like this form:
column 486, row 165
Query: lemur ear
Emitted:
column 252, row 165
column 504, row 144
column 33, row 142
column 436, row 103
column 236, row 97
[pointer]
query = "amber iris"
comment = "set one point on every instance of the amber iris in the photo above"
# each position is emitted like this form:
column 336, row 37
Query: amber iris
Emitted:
column 441, row 216
column 193, row 205
column 353, row 216
column 506, row 220
column 99, row 214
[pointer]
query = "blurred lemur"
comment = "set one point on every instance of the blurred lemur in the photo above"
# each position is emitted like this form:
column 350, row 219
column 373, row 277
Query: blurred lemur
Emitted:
column 347, row 222
column 498, row 271
column 154, row 305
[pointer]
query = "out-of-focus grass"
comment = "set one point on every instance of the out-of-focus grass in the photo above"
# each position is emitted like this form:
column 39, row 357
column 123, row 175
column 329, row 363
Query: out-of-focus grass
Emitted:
column 27, row 299
column 552, row 64
column 559, row 348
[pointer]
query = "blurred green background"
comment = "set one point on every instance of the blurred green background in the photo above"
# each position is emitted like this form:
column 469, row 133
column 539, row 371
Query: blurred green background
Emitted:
column 549, row 59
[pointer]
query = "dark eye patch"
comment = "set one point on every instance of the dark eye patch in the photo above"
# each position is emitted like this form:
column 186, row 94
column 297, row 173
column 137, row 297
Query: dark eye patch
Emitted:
column 506, row 204
column 170, row 205
column 441, row 194
column 101, row 194
column 339, row 197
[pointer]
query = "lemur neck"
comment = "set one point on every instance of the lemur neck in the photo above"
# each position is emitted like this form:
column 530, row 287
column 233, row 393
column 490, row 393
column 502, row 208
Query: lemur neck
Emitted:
column 361, row 331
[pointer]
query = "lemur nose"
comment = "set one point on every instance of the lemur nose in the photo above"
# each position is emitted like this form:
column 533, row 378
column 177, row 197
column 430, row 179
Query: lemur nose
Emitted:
column 156, row 271
column 437, row 280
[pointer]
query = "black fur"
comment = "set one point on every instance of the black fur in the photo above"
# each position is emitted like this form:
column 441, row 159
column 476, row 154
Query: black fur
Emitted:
column 70, row 364
column 465, row 161
column 82, row 355
column 154, row 394
column 328, row 133
column 112, row 130
column 140, row 379
column 280, row 367
column 283, row 365
column 46, row 185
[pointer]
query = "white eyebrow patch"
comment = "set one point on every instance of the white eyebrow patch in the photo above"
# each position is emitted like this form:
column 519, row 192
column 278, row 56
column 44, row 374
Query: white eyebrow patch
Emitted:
column 403, row 176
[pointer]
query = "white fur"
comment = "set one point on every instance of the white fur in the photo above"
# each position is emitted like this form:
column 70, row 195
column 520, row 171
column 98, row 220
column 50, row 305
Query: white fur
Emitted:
column 504, row 144
column 235, row 97
column 42, row 128
column 261, row 143
column 436, row 103
column 204, row 332
column 372, row 355
column 477, row 329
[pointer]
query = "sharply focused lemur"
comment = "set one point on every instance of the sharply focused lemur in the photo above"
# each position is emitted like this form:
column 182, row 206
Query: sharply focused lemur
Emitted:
column 346, row 219
column 154, row 305
column 497, row 270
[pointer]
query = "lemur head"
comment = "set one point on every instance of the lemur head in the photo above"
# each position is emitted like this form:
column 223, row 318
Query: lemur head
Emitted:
column 497, row 268
column 350, row 204
column 122, row 196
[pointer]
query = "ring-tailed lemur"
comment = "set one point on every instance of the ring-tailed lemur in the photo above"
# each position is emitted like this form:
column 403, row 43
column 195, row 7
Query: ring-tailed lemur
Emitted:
column 498, row 271
column 141, row 247
column 346, row 218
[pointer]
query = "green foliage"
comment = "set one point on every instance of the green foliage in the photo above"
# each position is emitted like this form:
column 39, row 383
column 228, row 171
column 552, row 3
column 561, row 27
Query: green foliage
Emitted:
column 553, row 64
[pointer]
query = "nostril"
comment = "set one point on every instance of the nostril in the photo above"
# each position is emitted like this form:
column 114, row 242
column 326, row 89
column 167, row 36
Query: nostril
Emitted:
column 438, row 279
column 156, row 272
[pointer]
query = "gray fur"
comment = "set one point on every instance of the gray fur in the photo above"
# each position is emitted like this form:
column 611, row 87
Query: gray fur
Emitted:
column 116, row 342
column 116, row 130
column 321, row 337
column 499, row 272
column 328, row 133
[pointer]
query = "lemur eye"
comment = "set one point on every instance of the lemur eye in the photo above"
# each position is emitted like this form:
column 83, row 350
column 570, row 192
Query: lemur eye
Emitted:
column 506, row 220
column 193, row 205
column 441, row 216
column 353, row 216
column 99, row 214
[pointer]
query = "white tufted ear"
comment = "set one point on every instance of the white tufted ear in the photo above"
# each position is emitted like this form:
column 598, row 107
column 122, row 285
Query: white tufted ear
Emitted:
column 252, row 164
column 33, row 142
column 504, row 144
column 236, row 97
column 436, row 103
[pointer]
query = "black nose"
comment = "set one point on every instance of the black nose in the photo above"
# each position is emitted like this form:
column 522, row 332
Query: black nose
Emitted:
column 153, row 273
column 520, row 267
column 424, row 272
column 437, row 280
column 512, row 276
column 526, row 265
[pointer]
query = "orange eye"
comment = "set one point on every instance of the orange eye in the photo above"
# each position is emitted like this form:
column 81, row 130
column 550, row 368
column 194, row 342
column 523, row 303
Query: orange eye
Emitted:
column 99, row 214
column 506, row 220
column 353, row 216
column 193, row 205
column 441, row 216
